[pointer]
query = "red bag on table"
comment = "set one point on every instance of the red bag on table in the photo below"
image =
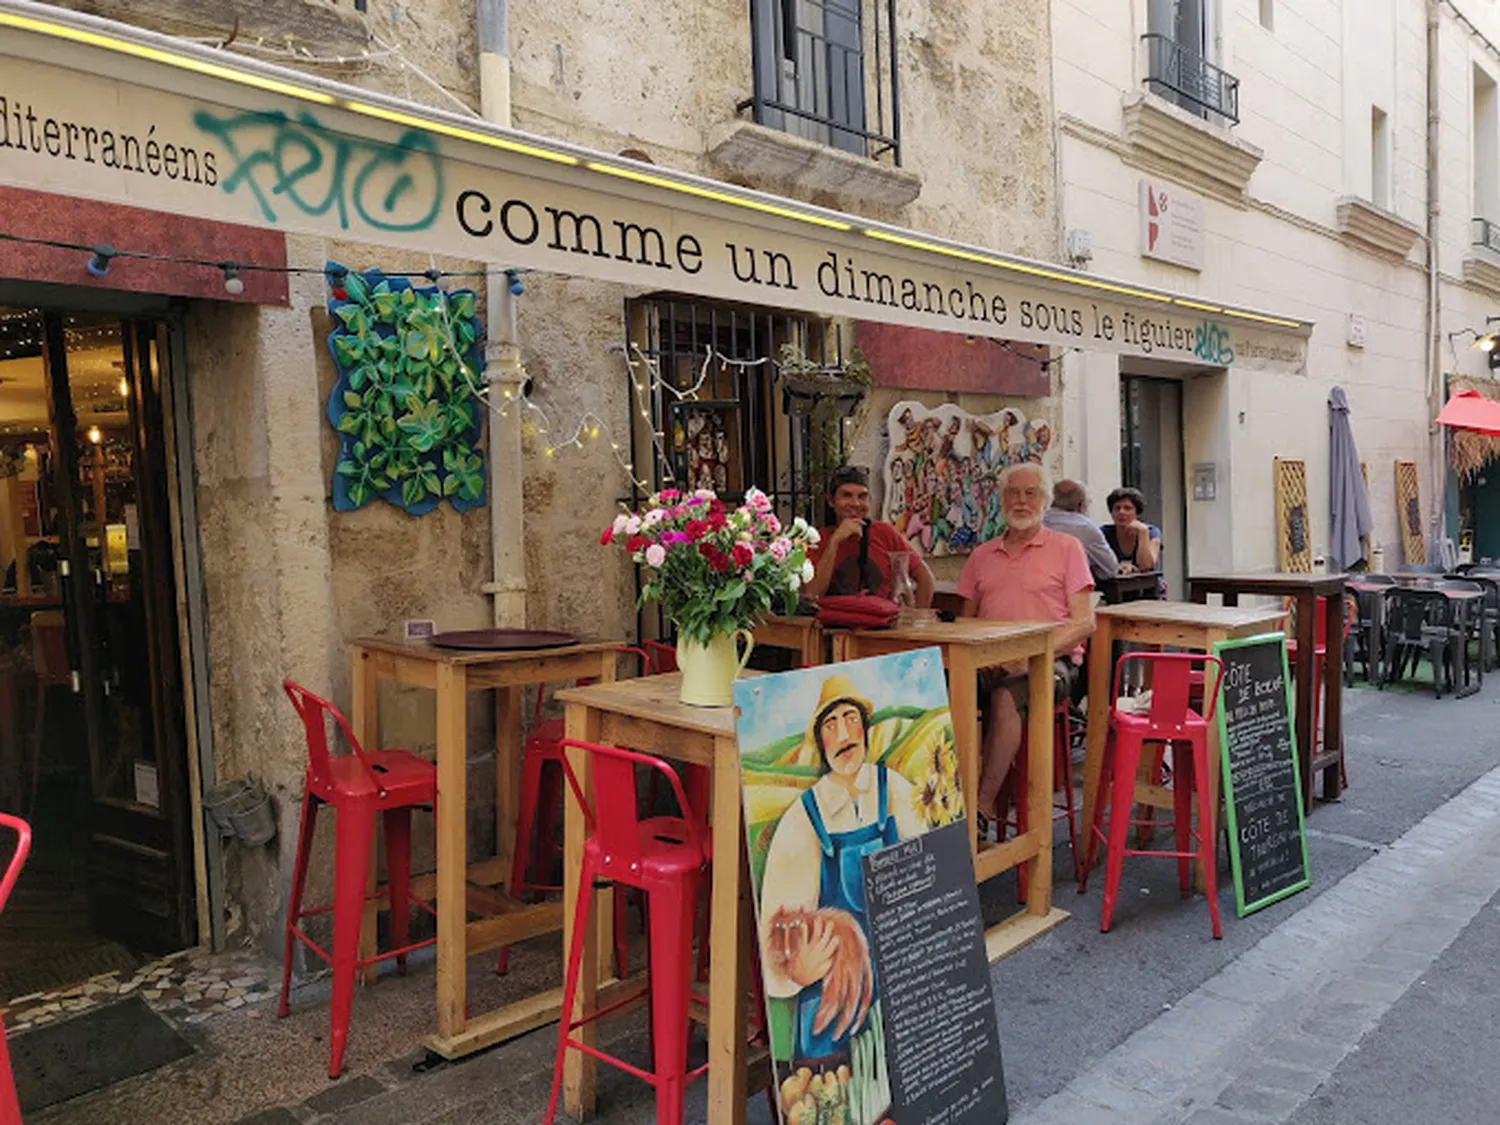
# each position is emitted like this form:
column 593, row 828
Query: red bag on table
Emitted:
column 857, row 611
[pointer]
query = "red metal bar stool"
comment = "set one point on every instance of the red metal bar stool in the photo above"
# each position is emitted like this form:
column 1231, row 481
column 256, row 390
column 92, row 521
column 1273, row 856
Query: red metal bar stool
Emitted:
column 666, row 858
column 1170, row 719
column 1013, row 795
column 358, row 786
column 536, row 817
column 10, row 1106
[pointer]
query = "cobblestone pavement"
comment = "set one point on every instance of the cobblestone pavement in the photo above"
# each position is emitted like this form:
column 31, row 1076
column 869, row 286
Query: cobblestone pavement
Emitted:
column 190, row 987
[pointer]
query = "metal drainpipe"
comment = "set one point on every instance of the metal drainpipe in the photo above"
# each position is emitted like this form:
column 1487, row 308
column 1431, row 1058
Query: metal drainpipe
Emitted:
column 1434, row 292
column 502, row 356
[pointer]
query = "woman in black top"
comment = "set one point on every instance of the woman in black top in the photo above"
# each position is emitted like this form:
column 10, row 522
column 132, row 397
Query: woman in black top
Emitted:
column 1136, row 544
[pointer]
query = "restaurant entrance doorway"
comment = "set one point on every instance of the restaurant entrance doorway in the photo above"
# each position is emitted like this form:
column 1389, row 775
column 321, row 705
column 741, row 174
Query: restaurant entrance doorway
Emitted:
column 1151, row 459
column 92, row 731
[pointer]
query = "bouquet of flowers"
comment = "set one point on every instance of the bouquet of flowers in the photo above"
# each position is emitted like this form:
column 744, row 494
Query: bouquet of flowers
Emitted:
column 713, row 569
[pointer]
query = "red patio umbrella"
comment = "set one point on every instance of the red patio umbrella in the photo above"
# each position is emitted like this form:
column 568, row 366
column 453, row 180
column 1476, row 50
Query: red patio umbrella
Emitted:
column 1469, row 410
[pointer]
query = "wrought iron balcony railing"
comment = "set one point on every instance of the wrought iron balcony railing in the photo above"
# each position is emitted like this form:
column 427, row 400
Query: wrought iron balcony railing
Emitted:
column 1487, row 234
column 1187, row 79
column 819, row 64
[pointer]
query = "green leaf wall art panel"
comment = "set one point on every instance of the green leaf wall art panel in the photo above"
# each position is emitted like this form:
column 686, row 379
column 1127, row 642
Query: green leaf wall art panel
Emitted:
column 406, row 405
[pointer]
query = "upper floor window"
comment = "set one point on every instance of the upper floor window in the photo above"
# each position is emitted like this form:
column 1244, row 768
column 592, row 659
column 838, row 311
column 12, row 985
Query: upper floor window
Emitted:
column 826, row 70
column 1486, row 156
column 1179, row 43
column 1380, row 158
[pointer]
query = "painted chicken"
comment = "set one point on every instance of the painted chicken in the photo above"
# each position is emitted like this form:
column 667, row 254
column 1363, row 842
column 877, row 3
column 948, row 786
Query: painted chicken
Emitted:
column 849, row 983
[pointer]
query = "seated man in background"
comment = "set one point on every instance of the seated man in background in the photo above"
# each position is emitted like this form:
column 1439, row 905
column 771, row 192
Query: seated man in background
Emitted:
column 1029, row 573
column 1069, row 514
column 840, row 566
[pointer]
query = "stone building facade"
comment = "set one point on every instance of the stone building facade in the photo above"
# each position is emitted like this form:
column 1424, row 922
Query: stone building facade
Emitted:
column 287, row 581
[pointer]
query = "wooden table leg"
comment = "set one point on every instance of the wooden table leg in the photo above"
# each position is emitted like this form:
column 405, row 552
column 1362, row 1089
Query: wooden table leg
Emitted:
column 509, row 751
column 1333, row 696
column 1038, row 794
column 968, row 739
column 1307, row 659
column 812, row 646
column 452, row 849
column 579, row 1070
column 364, row 719
column 729, row 952
column 1100, row 648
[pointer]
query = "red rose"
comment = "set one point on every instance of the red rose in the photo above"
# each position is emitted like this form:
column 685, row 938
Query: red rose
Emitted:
column 717, row 521
column 695, row 530
column 636, row 543
column 743, row 555
column 607, row 536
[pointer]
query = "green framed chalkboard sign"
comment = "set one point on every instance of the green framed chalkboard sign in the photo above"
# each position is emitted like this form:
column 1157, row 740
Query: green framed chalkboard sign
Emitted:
column 1262, row 783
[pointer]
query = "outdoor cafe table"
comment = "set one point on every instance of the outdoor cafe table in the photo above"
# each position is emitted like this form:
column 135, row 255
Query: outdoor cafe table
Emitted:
column 1154, row 624
column 646, row 715
column 462, row 889
column 1305, row 589
column 803, row 635
column 968, row 646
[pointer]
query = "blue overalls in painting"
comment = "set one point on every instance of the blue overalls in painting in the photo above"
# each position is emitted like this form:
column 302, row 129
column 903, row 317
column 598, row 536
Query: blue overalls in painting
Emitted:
column 841, row 885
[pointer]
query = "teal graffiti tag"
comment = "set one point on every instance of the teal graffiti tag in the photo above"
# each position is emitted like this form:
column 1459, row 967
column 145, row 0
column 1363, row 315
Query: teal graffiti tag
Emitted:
column 391, row 187
column 1212, row 344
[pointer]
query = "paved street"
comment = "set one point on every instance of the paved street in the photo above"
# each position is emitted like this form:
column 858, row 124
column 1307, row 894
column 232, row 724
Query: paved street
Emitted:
column 1362, row 1000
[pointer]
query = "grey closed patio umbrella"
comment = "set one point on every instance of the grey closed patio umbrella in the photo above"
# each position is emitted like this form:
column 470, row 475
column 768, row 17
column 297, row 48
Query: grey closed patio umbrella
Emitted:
column 1348, row 502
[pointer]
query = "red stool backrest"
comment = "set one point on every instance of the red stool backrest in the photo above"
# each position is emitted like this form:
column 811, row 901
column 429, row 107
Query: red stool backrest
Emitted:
column 613, row 818
column 17, row 857
column 1171, row 675
column 314, row 711
column 663, row 657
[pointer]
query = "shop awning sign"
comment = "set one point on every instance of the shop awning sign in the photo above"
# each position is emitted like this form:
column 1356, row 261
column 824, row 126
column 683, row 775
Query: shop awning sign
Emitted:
column 100, row 110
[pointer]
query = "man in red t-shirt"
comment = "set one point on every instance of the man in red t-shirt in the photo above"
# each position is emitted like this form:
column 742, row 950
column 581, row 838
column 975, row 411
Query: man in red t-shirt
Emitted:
column 836, row 560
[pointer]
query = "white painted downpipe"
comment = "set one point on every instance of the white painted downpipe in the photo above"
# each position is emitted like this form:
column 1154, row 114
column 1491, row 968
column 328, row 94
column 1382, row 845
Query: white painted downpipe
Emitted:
column 502, row 357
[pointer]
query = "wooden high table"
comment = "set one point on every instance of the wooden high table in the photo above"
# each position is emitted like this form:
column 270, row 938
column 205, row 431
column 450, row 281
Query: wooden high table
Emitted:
column 463, row 889
column 969, row 645
column 803, row 635
column 1305, row 589
column 645, row 715
column 1154, row 624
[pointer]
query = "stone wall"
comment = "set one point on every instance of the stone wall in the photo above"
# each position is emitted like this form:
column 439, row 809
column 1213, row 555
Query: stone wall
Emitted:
column 290, row 582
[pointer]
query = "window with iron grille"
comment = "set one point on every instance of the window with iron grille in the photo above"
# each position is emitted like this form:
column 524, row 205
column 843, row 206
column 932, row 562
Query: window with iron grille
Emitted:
column 713, row 409
column 820, row 64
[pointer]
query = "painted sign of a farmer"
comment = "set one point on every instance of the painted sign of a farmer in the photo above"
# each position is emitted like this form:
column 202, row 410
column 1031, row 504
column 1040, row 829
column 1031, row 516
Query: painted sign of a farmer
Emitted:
column 814, row 932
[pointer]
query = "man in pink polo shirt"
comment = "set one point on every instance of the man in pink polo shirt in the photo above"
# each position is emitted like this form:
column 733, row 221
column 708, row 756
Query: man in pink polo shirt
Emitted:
column 1028, row 573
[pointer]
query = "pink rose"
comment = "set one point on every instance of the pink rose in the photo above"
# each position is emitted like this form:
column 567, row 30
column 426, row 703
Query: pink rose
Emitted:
column 781, row 548
column 656, row 554
column 771, row 523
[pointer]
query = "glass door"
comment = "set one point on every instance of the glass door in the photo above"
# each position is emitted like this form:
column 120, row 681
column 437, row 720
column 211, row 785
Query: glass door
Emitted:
column 1151, row 459
column 109, row 511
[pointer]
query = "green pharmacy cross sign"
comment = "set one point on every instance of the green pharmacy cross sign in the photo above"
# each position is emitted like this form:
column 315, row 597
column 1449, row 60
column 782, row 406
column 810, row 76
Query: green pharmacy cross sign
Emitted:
column 406, row 405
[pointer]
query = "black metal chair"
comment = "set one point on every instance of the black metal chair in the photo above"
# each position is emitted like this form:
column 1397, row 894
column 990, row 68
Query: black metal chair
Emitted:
column 1490, row 622
column 1421, row 623
column 1365, row 638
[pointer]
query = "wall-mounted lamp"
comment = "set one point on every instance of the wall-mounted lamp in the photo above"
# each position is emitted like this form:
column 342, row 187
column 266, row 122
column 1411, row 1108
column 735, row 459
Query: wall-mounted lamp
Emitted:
column 234, row 284
column 95, row 434
column 98, row 265
column 124, row 387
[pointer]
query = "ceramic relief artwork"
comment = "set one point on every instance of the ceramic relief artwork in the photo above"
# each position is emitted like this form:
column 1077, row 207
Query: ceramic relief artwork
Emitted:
column 405, row 406
column 940, row 489
column 837, row 762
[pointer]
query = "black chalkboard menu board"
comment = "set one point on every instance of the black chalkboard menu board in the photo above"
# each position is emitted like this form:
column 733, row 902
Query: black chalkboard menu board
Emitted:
column 941, row 1040
column 1262, row 786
